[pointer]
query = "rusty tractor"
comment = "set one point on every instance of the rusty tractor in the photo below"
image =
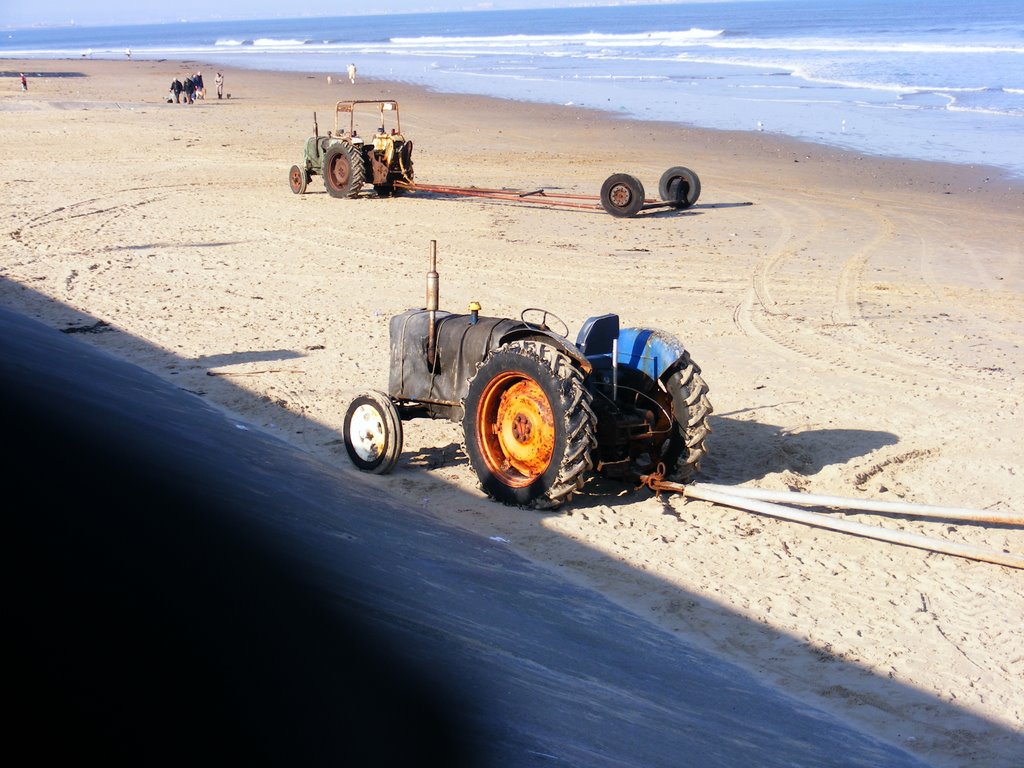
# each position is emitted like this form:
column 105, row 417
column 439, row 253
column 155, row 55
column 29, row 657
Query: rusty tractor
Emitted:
column 347, row 160
column 539, row 412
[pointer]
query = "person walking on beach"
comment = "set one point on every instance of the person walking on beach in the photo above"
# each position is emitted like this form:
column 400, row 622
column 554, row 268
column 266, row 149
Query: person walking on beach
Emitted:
column 176, row 89
column 190, row 90
column 219, row 82
column 352, row 73
column 200, row 88
column 24, row 82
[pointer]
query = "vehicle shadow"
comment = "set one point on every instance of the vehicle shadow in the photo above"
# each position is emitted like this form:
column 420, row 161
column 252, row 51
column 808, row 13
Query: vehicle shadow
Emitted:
column 773, row 450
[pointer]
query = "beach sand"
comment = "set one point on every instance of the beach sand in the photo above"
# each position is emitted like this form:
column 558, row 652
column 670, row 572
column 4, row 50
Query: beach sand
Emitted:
column 860, row 323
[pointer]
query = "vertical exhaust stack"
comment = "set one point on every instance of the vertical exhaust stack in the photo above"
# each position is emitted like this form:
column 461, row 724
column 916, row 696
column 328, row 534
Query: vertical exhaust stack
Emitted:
column 433, row 298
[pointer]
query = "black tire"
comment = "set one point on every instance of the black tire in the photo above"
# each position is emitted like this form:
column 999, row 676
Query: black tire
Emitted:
column 529, row 425
column 622, row 195
column 691, row 411
column 343, row 172
column 680, row 187
column 373, row 433
column 298, row 178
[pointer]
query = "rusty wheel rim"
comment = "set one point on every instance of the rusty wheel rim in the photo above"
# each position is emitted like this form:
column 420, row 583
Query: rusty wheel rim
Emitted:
column 296, row 179
column 620, row 195
column 516, row 429
column 340, row 170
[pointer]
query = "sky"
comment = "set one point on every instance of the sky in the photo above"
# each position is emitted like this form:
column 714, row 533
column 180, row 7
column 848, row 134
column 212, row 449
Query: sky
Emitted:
column 22, row 13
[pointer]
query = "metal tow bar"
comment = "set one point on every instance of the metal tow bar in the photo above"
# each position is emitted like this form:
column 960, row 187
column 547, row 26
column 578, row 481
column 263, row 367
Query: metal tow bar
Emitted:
column 536, row 197
column 762, row 502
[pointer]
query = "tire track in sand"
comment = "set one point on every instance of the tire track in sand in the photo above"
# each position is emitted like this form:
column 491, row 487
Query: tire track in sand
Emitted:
column 805, row 288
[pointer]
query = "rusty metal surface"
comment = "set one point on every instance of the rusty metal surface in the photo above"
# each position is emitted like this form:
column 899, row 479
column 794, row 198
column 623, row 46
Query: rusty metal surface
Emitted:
column 535, row 197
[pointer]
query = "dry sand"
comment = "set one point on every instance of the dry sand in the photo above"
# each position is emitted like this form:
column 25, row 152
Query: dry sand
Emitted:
column 860, row 323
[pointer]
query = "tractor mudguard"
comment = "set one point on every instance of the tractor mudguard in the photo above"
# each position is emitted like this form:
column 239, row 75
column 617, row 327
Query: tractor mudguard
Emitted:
column 461, row 346
column 649, row 350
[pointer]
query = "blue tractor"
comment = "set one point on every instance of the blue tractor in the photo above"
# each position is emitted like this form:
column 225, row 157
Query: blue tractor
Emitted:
column 540, row 412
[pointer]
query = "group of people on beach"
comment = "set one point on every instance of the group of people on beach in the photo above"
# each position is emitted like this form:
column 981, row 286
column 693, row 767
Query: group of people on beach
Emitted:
column 193, row 88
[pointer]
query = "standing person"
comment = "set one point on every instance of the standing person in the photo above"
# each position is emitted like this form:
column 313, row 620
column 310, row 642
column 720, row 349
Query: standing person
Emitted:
column 190, row 90
column 200, row 88
column 176, row 89
column 24, row 82
column 219, row 82
column 352, row 73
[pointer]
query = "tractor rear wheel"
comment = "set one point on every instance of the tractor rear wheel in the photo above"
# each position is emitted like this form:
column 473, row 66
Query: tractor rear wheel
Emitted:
column 343, row 172
column 373, row 433
column 691, row 410
column 680, row 187
column 622, row 195
column 529, row 425
column 297, row 179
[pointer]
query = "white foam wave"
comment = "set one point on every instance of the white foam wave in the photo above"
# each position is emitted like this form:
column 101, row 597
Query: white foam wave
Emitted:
column 828, row 45
column 265, row 42
column 590, row 38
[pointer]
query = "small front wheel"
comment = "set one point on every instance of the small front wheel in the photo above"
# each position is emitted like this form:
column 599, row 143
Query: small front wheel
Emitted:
column 297, row 180
column 622, row 195
column 373, row 433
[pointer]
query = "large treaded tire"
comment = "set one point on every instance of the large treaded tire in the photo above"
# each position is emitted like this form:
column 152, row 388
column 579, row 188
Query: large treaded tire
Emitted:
column 343, row 172
column 529, row 425
column 691, row 410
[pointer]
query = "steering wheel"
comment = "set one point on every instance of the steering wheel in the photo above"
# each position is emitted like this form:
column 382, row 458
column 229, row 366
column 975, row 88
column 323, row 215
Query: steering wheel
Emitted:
column 543, row 324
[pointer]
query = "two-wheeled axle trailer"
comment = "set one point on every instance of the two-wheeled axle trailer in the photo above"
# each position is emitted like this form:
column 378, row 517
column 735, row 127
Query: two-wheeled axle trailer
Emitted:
column 621, row 195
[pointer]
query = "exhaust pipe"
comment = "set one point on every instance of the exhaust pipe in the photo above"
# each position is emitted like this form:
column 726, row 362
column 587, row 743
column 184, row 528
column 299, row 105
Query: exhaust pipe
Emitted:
column 433, row 297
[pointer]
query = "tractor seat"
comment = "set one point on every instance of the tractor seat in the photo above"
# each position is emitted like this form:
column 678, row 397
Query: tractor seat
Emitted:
column 596, row 338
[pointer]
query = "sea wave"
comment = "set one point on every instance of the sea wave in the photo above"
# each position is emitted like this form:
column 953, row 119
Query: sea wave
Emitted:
column 589, row 38
column 845, row 45
column 268, row 42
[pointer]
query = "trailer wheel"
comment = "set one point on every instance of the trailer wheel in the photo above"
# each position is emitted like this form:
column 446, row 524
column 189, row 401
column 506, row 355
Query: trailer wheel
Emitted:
column 297, row 180
column 529, row 426
column 680, row 187
column 691, row 410
column 622, row 195
column 373, row 433
column 343, row 173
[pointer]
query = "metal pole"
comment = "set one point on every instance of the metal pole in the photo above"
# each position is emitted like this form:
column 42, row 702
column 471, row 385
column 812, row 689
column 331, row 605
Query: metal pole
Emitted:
column 869, row 505
column 433, row 299
column 969, row 551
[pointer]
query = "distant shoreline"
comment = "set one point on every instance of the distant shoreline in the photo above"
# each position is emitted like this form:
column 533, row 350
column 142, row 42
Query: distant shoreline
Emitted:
column 988, row 177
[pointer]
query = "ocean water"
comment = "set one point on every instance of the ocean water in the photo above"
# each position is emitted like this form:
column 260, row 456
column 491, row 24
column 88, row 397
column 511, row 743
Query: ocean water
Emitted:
column 924, row 79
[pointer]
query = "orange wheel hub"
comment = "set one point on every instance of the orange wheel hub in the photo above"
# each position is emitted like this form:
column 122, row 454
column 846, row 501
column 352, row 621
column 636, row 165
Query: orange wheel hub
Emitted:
column 516, row 428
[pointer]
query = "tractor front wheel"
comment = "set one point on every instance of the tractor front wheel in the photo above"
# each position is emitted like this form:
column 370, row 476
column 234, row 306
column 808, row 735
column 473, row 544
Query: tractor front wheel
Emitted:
column 622, row 195
column 529, row 425
column 297, row 179
column 373, row 433
column 343, row 172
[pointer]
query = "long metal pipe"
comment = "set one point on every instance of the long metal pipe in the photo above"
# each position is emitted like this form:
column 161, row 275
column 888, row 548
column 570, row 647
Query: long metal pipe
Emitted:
column 870, row 505
column 697, row 491
column 433, row 299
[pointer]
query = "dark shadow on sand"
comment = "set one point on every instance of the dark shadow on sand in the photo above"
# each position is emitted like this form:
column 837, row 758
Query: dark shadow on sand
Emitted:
column 183, row 584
